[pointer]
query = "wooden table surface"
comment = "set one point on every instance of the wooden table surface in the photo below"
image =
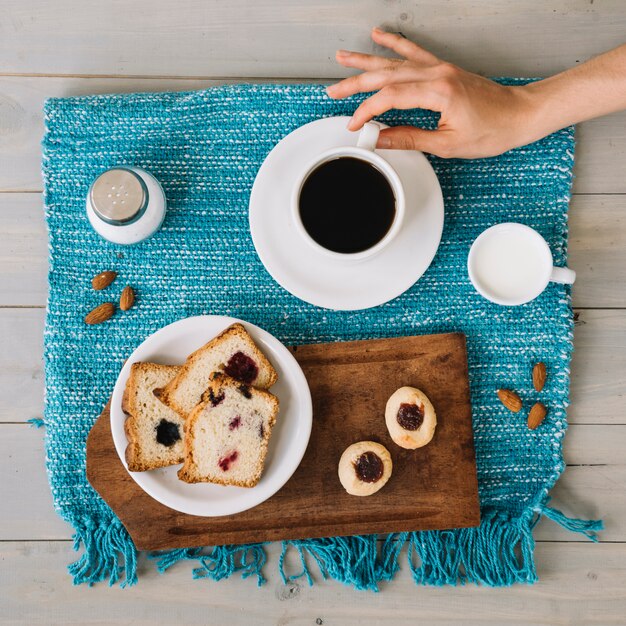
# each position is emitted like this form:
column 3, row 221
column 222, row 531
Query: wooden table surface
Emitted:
column 65, row 48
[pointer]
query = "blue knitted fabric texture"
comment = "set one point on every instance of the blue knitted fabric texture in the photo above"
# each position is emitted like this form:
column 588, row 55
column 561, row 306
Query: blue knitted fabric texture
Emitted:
column 205, row 148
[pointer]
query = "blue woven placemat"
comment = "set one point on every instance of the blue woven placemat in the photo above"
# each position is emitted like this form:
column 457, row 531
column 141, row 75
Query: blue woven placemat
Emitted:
column 205, row 148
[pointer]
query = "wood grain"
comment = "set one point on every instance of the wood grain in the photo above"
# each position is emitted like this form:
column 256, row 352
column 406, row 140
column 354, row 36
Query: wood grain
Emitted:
column 297, row 38
column 580, row 584
column 431, row 488
column 598, row 368
column 23, row 250
column 598, row 142
column 29, row 512
column 21, row 364
column 597, row 250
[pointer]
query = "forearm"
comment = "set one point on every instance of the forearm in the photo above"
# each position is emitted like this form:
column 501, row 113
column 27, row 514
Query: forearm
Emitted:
column 595, row 88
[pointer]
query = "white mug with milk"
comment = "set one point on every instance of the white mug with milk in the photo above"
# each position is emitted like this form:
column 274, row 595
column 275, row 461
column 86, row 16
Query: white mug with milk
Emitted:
column 511, row 264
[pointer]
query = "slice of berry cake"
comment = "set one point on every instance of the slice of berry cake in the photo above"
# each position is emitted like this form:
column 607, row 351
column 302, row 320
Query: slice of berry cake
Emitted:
column 154, row 431
column 226, row 436
column 232, row 352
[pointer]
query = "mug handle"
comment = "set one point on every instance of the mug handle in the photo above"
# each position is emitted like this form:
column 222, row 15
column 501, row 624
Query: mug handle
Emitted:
column 368, row 136
column 563, row 275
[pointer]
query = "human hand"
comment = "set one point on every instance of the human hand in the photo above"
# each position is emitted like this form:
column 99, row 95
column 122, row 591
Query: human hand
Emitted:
column 479, row 117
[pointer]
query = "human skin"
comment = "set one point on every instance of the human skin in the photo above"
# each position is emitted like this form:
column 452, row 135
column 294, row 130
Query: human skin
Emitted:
column 479, row 118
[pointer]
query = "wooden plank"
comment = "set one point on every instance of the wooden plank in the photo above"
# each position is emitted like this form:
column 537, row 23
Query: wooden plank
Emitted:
column 23, row 250
column 598, row 368
column 585, row 490
column 598, row 142
column 25, row 485
column 580, row 584
column 600, row 152
column 597, row 250
column 589, row 492
column 595, row 444
column 21, row 364
column 597, row 385
column 297, row 38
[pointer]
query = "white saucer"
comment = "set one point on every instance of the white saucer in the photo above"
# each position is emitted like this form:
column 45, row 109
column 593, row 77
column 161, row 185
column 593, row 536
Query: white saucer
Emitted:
column 311, row 275
column 290, row 435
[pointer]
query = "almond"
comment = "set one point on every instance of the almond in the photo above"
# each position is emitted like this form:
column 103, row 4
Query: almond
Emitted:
column 510, row 400
column 127, row 299
column 539, row 376
column 536, row 415
column 100, row 314
column 103, row 280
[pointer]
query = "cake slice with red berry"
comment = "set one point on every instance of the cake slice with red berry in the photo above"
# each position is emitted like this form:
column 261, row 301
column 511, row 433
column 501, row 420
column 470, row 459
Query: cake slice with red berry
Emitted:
column 233, row 352
column 227, row 434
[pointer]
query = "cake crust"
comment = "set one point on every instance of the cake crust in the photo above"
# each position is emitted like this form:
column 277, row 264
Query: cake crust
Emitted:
column 144, row 412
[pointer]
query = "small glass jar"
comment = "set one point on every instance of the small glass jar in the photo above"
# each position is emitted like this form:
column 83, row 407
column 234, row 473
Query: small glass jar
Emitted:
column 126, row 205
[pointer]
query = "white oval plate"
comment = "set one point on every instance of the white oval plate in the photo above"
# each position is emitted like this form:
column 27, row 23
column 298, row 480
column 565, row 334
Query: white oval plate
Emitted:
column 311, row 275
column 290, row 435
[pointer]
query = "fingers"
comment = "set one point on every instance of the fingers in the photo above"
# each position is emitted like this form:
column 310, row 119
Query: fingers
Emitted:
column 403, row 96
column 372, row 81
column 403, row 46
column 435, row 142
column 366, row 62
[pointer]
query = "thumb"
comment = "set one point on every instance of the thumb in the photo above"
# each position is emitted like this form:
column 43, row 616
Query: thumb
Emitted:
column 411, row 138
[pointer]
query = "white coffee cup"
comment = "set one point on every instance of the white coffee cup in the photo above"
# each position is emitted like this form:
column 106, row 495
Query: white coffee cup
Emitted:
column 511, row 264
column 364, row 150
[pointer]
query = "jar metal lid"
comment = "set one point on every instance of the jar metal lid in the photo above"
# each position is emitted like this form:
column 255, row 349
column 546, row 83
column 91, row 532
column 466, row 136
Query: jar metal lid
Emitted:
column 119, row 196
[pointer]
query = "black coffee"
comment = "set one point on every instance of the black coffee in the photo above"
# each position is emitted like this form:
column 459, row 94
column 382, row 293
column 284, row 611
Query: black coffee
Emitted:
column 347, row 205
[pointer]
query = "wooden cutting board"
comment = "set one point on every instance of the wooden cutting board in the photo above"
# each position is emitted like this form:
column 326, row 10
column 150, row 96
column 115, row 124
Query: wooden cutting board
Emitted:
column 434, row 487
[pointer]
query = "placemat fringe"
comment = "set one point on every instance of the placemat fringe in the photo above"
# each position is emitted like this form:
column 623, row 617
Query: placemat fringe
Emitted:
column 497, row 553
column 109, row 552
column 350, row 560
column 589, row 528
column 218, row 562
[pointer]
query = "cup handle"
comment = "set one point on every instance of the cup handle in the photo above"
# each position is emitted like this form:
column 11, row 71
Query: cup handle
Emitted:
column 368, row 136
column 563, row 275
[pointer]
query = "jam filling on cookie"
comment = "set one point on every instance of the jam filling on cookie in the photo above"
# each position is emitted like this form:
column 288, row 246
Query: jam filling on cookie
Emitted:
column 410, row 416
column 369, row 467
column 242, row 367
column 226, row 461
column 167, row 433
